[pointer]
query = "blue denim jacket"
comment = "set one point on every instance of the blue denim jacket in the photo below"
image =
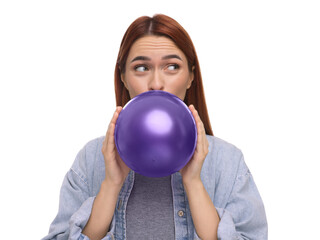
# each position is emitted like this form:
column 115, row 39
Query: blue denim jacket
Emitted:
column 224, row 174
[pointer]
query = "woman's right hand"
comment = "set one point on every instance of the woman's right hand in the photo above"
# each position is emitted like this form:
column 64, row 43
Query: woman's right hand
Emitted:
column 116, row 169
column 106, row 200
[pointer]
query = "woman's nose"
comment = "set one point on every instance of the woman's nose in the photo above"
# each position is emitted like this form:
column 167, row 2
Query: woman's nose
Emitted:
column 156, row 82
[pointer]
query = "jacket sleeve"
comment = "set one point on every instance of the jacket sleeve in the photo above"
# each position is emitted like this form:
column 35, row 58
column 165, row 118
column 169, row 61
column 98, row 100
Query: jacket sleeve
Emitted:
column 75, row 204
column 244, row 215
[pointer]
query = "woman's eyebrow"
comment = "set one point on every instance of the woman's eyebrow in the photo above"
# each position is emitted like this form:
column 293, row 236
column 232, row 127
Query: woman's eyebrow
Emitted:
column 171, row 56
column 143, row 58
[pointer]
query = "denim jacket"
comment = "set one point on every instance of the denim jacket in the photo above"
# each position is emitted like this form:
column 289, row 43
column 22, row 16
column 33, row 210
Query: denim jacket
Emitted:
column 224, row 174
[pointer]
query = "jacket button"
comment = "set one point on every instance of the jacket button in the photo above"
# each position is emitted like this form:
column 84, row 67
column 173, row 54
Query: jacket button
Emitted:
column 180, row 213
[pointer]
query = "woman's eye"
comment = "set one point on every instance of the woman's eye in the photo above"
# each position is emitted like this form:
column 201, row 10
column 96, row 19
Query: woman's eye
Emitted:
column 141, row 68
column 173, row 67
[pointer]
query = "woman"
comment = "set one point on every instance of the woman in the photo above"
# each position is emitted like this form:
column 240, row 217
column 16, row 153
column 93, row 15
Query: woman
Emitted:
column 212, row 197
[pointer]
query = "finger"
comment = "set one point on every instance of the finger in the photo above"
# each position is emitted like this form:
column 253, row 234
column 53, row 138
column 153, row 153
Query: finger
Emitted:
column 112, row 125
column 200, row 130
column 115, row 116
column 199, row 123
column 118, row 109
column 109, row 139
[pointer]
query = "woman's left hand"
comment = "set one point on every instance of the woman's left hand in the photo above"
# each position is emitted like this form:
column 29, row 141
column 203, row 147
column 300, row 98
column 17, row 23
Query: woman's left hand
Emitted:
column 191, row 171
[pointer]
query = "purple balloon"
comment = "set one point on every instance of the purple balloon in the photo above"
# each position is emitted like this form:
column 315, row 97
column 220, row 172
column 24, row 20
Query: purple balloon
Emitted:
column 155, row 134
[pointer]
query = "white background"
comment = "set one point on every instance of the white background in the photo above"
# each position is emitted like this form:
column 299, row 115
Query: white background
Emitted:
column 260, row 63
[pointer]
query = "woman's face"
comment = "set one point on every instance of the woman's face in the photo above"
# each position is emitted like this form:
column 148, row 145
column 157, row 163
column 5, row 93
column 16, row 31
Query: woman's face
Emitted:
column 156, row 63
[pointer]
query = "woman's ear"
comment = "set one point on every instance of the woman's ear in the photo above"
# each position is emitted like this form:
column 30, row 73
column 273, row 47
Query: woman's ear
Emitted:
column 191, row 77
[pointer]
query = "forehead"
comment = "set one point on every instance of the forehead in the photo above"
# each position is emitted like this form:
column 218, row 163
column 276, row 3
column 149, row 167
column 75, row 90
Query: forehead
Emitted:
column 154, row 45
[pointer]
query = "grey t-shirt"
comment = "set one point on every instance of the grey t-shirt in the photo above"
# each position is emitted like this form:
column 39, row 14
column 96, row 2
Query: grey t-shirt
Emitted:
column 149, row 213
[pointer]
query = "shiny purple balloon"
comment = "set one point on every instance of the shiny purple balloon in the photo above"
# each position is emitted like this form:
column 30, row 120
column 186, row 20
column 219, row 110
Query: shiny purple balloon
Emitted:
column 155, row 134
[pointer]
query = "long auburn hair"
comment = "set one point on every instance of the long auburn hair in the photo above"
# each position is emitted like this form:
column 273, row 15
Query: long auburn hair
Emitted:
column 162, row 25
